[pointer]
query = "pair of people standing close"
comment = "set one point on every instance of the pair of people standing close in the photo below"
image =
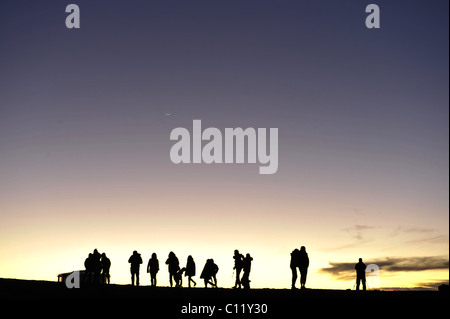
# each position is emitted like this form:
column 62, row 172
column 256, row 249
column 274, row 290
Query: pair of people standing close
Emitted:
column 242, row 263
column 176, row 274
column 299, row 259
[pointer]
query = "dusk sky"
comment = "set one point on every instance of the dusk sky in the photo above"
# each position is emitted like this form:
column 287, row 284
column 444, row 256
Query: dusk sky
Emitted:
column 363, row 130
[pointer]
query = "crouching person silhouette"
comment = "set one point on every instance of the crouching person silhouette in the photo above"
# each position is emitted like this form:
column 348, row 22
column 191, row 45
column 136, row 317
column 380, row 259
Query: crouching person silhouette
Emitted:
column 209, row 273
column 179, row 277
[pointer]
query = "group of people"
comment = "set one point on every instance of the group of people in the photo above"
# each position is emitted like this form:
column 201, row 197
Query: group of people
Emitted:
column 97, row 269
column 208, row 274
column 300, row 260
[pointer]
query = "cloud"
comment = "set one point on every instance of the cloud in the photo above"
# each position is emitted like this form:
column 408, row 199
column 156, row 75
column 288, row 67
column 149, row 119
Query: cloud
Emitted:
column 433, row 285
column 411, row 230
column 439, row 239
column 421, row 235
column 340, row 271
column 358, row 235
column 346, row 270
column 413, row 264
column 356, row 231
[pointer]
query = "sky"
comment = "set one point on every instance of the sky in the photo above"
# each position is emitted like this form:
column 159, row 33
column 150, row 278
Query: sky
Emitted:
column 363, row 137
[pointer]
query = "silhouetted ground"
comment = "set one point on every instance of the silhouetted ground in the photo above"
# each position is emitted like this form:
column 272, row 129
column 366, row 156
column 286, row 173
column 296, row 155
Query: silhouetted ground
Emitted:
column 172, row 300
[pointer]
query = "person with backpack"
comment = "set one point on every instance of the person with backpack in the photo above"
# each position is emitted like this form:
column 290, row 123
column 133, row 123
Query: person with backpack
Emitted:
column 294, row 263
column 135, row 260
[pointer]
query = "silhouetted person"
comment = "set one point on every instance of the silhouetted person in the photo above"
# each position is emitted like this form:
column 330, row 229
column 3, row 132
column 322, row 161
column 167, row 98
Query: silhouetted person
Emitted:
column 238, row 264
column 135, row 260
column 106, row 265
column 190, row 271
column 88, row 264
column 153, row 268
column 174, row 266
column 247, row 265
column 360, row 274
column 209, row 273
column 303, row 264
column 179, row 278
column 215, row 270
column 96, row 266
column 295, row 257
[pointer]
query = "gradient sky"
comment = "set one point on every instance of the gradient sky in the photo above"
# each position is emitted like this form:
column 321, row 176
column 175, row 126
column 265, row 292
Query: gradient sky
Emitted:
column 363, row 137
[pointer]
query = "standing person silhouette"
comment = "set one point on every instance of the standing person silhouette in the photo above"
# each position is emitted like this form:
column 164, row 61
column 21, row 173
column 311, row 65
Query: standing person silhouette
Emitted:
column 190, row 271
column 247, row 264
column 174, row 266
column 135, row 260
column 153, row 268
column 360, row 268
column 105, row 265
column 214, row 271
column 303, row 264
column 294, row 263
column 97, row 264
column 238, row 264
column 88, row 264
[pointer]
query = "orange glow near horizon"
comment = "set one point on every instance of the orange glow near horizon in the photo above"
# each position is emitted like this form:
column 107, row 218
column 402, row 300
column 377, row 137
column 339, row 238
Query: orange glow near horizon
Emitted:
column 42, row 248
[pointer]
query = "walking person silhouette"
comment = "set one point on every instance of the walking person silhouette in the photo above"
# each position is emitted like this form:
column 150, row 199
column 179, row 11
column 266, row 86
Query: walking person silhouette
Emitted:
column 174, row 267
column 190, row 271
column 135, row 260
